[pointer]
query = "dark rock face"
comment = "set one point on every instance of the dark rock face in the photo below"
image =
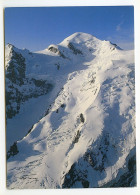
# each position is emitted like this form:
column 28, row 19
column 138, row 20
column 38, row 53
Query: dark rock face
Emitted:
column 15, row 96
column 16, row 69
column 116, row 46
column 56, row 50
column 75, row 50
column 82, row 118
column 53, row 49
column 13, row 150
column 128, row 179
column 76, row 138
column 19, row 88
column 96, row 159
column 74, row 176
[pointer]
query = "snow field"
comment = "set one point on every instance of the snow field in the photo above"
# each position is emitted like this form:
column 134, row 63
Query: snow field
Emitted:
column 93, row 110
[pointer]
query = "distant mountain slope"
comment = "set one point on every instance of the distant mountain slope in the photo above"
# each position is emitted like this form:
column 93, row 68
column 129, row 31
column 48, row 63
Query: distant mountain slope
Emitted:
column 75, row 122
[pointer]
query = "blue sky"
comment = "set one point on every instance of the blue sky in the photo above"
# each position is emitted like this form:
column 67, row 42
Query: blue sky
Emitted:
column 37, row 28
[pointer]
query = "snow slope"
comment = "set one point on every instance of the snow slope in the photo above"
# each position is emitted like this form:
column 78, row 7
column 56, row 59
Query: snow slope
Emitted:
column 84, row 135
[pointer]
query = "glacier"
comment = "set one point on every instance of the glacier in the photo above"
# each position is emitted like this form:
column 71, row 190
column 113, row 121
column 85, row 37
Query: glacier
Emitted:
column 70, row 115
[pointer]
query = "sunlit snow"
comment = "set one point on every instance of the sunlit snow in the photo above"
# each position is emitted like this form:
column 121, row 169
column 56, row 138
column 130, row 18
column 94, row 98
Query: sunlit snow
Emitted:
column 90, row 122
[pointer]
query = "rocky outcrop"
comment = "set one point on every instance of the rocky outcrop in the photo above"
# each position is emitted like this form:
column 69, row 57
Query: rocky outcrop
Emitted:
column 54, row 49
column 74, row 49
column 20, row 88
column 15, row 71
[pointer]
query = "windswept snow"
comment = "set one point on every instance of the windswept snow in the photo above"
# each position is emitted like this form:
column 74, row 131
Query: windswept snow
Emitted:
column 83, row 131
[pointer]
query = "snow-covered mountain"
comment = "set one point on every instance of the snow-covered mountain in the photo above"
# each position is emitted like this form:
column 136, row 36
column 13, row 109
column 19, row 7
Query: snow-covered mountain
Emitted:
column 70, row 115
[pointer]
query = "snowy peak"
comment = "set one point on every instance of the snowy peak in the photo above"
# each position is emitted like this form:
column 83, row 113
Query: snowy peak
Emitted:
column 78, row 38
column 79, row 43
column 84, row 38
column 82, row 42
column 8, row 53
column 86, row 44
column 9, row 46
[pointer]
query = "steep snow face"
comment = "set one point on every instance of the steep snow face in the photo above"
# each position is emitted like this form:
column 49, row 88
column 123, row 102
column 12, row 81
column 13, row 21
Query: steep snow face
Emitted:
column 86, row 135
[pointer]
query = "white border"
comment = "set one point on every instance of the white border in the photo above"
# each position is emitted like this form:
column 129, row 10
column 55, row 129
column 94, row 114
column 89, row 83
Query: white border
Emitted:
column 39, row 3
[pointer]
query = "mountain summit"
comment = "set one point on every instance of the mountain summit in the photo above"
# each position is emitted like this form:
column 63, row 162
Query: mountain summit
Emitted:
column 70, row 115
